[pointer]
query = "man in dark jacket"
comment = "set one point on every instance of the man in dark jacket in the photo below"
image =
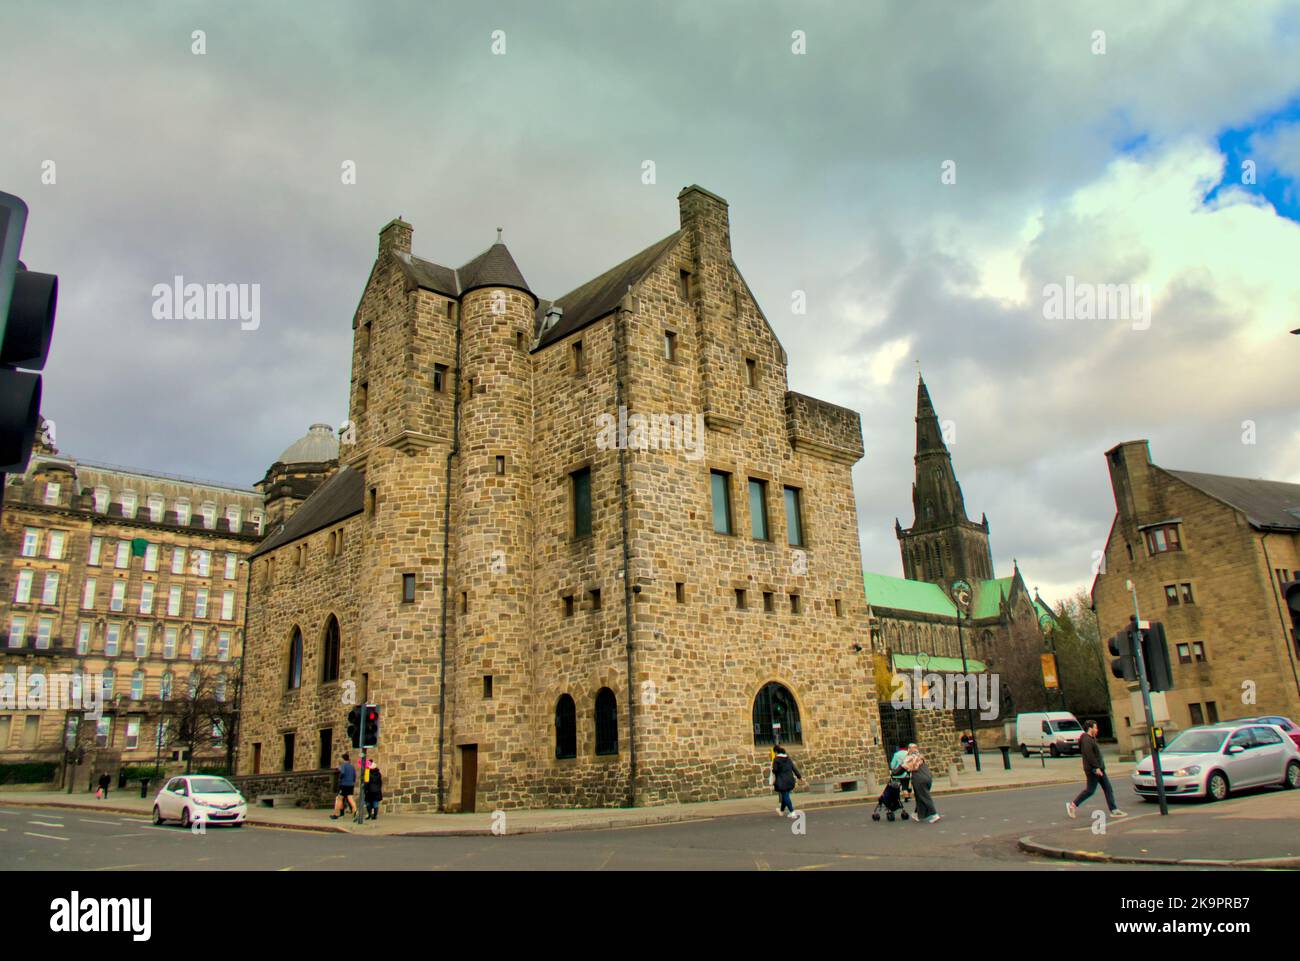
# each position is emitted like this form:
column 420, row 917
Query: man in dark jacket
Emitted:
column 784, row 774
column 1094, row 766
column 347, row 782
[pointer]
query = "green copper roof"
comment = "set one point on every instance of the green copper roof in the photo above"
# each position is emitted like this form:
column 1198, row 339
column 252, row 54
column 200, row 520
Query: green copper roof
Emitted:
column 904, row 595
column 936, row 665
column 989, row 596
column 1043, row 610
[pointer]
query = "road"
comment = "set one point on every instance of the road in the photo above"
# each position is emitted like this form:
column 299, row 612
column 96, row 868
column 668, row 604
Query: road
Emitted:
column 978, row 831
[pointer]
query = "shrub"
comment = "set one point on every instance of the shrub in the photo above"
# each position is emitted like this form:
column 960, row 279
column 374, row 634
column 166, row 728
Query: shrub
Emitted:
column 31, row 772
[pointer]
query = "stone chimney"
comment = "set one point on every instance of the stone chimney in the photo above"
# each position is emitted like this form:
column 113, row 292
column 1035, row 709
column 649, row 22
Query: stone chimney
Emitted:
column 396, row 235
column 704, row 214
column 1130, row 478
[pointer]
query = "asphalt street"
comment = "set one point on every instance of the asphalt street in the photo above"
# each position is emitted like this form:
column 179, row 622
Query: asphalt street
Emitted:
column 978, row 831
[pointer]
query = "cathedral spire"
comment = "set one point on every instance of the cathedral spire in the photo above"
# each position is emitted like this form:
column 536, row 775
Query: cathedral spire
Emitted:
column 936, row 495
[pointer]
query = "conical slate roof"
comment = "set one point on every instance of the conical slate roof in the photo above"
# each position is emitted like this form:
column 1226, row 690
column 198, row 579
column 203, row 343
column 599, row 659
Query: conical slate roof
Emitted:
column 492, row 268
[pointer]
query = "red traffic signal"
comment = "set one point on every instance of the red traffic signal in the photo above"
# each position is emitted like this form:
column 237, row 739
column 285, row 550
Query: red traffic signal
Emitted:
column 370, row 726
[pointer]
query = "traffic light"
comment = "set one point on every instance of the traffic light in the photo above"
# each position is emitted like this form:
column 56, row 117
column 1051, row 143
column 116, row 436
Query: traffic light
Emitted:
column 1291, row 593
column 354, row 727
column 27, row 304
column 1124, row 666
column 370, row 726
column 1155, row 655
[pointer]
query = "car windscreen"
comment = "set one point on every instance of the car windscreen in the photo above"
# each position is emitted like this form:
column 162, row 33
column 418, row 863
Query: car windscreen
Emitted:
column 1069, row 724
column 212, row 785
column 1196, row 742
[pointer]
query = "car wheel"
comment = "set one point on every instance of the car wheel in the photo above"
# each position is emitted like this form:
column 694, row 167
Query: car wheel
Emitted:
column 185, row 818
column 1216, row 789
column 157, row 815
column 237, row 824
column 1024, row 751
column 1292, row 779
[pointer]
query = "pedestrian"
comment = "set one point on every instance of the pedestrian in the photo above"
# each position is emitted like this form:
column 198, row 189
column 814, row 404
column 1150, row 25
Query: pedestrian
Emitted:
column 347, row 782
column 915, row 765
column 1094, row 767
column 784, row 774
column 897, row 760
column 373, row 791
column 104, row 782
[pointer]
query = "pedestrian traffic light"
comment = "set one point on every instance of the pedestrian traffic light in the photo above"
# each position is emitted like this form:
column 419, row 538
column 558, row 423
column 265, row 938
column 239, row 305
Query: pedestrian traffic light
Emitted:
column 1155, row 656
column 354, row 727
column 370, row 726
column 1121, row 648
column 27, row 303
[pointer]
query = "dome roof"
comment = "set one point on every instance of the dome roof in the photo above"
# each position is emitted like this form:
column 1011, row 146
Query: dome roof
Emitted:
column 316, row 446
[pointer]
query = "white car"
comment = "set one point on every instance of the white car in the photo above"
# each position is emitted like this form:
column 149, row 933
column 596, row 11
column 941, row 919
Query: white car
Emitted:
column 1212, row 760
column 200, row 798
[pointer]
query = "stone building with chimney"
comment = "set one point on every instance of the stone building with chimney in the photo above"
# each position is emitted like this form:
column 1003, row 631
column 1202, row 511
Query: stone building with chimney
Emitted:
column 582, row 551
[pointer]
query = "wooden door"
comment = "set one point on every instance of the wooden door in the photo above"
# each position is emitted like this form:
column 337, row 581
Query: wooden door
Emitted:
column 468, row 777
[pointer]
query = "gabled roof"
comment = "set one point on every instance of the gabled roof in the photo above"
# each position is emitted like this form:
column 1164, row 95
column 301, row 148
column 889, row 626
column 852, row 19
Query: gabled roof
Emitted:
column 900, row 594
column 341, row 496
column 1268, row 505
column 989, row 596
column 601, row 295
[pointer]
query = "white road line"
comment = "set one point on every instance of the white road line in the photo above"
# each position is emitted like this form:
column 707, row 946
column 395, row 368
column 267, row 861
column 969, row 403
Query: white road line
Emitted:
column 48, row 837
column 136, row 820
column 10, row 813
column 46, row 824
column 111, row 824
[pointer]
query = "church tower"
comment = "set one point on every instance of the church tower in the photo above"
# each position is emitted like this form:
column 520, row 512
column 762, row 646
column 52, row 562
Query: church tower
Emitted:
column 942, row 544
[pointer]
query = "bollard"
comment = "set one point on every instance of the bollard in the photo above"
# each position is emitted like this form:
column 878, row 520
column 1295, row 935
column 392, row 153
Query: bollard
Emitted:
column 952, row 775
column 1006, row 758
column 144, row 787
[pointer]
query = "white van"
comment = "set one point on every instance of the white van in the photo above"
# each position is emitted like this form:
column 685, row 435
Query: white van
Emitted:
column 1056, row 732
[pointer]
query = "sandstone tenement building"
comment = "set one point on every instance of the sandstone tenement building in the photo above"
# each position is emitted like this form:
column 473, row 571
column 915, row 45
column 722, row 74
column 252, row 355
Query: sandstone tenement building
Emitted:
column 547, row 618
column 1208, row 556
column 134, row 576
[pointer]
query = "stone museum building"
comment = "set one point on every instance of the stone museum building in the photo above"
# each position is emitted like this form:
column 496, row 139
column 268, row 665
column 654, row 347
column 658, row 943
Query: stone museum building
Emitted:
column 582, row 551
column 1209, row 556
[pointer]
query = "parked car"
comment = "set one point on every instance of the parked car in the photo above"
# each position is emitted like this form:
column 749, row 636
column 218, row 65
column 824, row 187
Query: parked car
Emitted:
column 200, row 799
column 1285, row 723
column 1056, row 732
column 1213, row 760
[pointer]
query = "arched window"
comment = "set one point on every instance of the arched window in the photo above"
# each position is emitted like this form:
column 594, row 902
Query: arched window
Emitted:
column 295, row 660
column 606, row 722
column 566, row 728
column 776, row 716
column 330, row 645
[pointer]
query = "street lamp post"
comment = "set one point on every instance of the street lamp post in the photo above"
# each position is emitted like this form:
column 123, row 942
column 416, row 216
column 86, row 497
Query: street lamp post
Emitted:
column 961, row 593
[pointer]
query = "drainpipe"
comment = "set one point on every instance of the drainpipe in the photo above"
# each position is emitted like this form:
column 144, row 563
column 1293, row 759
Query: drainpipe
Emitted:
column 446, row 574
column 1277, row 599
column 620, row 361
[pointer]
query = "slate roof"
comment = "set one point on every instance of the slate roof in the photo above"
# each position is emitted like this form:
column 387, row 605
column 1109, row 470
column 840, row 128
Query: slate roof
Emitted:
column 1268, row 505
column 601, row 295
column 342, row 495
column 492, row 268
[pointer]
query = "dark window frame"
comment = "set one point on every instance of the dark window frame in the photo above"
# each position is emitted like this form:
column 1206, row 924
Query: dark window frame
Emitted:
column 566, row 728
column 606, row 712
column 331, row 650
column 773, row 702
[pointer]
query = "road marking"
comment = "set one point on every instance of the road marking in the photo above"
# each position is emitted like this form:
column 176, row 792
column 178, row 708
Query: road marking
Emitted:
column 119, row 867
column 111, row 824
column 48, row 837
column 135, row 820
column 46, row 824
column 111, row 836
column 10, row 813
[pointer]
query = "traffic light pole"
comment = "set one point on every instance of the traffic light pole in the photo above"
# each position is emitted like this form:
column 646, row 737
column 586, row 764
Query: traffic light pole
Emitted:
column 1146, row 702
column 360, row 817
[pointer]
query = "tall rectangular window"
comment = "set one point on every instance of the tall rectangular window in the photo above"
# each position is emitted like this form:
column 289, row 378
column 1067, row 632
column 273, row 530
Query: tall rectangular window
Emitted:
column 178, row 560
column 88, row 594
column 51, row 493
column 198, row 639
column 54, row 548
column 440, row 377
column 581, row 485
column 23, row 589
column 117, row 599
column 83, row 637
column 227, row 605
column 223, row 645
column 793, row 517
column 133, row 723
column 101, row 500
column 579, row 359
column 758, row 509
column 202, row 563
column 234, row 516
column 50, row 591
column 721, row 486
column 169, row 642
column 146, row 597
column 45, row 630
column 151, row 557
column 142, row 640
column 201, row 602
column 751, row 372
column 183, row 514
column 174, row 601
column 31, row 539
column 408, row 588
column 670, row 345
column 232, row 562
column 209, row 512
column 123, row 558
column 96, row 548
column 17, row 628
column 128, row 503
column 112, row 639
column 155, row 504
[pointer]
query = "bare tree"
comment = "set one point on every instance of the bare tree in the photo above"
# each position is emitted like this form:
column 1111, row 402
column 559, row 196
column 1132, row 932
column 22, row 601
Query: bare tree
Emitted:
column 201, row 714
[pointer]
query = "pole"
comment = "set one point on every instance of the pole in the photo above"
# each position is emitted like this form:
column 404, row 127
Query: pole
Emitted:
column 1146, row 702
column 360, row 792
column 970, row 711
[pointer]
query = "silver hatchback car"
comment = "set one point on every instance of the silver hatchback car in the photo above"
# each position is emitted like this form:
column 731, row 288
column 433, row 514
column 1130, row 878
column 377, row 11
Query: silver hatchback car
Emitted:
column 1215, row 759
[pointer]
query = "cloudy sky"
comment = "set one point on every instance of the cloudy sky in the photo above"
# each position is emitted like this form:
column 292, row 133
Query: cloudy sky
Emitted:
column 1163, row 152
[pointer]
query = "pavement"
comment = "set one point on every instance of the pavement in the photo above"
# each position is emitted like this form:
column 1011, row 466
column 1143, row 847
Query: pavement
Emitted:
column 1260, row 829
column 1024, row 773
